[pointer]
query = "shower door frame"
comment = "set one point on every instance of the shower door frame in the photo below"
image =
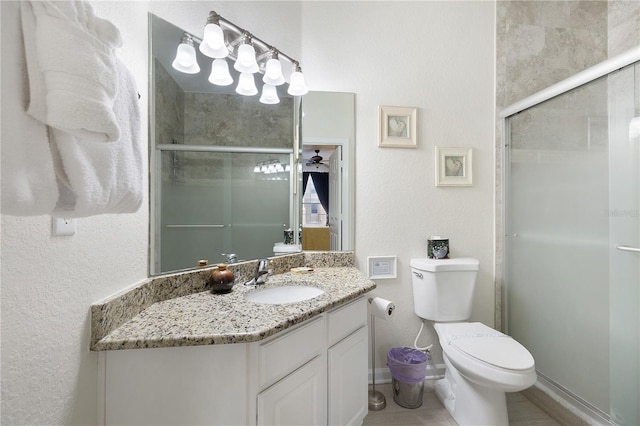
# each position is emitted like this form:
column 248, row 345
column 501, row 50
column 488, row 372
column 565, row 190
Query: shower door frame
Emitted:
column 584, row 77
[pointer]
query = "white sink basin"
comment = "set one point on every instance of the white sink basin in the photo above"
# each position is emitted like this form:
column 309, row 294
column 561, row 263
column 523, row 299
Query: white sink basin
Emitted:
column 285, row 294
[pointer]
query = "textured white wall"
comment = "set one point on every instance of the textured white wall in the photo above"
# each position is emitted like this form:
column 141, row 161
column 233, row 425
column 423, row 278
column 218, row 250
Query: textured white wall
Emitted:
column 49, row 376
column 48, row 283
column 437, row 56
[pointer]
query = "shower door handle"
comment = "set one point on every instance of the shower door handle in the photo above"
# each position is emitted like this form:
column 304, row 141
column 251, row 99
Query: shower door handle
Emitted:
column 627, row 248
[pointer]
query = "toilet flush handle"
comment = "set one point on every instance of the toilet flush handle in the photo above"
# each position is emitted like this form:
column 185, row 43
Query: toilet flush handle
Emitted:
column 418, row 274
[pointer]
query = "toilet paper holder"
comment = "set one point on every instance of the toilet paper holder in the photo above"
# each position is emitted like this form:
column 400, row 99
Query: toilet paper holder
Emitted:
column 384, row 309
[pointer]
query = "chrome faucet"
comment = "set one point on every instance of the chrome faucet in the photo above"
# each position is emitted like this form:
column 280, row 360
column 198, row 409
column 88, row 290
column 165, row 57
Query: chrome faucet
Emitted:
column 262, row 273
column 231, row 257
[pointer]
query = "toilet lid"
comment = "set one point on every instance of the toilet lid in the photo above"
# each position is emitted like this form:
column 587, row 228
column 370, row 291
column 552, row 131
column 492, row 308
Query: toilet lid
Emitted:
column 503, row 352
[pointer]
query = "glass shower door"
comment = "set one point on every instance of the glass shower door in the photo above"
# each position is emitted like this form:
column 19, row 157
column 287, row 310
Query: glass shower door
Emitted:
column 572, row 230
column 624, row 239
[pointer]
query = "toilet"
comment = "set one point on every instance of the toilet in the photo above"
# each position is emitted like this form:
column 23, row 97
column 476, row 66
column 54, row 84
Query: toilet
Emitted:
column 481, row 363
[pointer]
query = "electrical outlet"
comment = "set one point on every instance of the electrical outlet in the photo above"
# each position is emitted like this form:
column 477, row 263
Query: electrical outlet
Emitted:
column 63, row 226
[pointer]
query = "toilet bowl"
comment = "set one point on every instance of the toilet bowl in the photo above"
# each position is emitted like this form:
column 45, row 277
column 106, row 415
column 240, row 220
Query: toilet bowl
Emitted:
column 481, row 363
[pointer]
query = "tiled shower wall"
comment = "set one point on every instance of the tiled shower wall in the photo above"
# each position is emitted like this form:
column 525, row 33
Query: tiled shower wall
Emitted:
column 623, row 25
column 539, row 43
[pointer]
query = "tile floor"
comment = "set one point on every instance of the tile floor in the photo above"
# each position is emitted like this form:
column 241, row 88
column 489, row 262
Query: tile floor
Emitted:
column 522, row 412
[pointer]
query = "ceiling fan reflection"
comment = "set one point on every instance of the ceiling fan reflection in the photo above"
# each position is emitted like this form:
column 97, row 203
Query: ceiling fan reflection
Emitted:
column 316, row 161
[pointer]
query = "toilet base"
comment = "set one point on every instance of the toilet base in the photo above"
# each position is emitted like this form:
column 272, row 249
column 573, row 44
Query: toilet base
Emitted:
column 469, row 403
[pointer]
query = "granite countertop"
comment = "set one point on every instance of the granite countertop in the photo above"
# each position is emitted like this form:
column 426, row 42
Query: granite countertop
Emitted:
column 205, row 318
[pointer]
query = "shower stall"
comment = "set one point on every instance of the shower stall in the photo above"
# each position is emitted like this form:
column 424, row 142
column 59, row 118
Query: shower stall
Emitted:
column 572, row 235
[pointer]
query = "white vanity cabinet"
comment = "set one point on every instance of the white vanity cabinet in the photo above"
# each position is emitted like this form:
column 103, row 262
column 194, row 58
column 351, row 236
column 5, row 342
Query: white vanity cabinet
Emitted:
column 292, row 376
column 346, row 369
column 314, row 373
column 298, row 399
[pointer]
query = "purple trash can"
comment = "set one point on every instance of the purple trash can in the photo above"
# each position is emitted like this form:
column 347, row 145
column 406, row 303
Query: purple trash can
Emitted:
column 408, row 367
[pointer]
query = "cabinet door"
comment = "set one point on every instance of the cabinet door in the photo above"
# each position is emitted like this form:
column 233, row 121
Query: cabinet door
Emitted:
column 194, row 385
column 348, row 386
column 298, row 399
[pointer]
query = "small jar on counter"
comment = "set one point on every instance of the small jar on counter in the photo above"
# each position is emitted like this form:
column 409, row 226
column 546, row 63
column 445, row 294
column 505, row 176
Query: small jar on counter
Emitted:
column 221, row 279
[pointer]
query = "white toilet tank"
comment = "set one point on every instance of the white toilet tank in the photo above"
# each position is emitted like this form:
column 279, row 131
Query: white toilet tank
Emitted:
column 443, row 288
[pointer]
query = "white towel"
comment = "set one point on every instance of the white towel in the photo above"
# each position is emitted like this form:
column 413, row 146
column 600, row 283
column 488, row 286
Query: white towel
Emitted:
column 99, row 178
column 72, row 73
column 28, row 180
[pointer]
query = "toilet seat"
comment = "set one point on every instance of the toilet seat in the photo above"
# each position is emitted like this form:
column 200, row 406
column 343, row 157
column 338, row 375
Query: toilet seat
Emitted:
column 486, row 356
column 503, row 352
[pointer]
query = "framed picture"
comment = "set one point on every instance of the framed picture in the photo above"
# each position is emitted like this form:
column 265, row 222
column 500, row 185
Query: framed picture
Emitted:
column 454, row 166
column 397, row 127
column 382, row 267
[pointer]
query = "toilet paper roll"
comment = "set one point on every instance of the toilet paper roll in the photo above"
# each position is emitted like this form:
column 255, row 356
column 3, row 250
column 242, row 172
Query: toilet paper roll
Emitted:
column 381, row 308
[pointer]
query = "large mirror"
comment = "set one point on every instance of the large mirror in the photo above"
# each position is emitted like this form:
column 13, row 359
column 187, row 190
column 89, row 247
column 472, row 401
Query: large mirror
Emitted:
column 229, row 175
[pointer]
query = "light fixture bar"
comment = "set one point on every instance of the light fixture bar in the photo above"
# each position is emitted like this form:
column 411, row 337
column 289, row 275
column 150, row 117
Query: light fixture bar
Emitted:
column 264, row 48
column 223, row 40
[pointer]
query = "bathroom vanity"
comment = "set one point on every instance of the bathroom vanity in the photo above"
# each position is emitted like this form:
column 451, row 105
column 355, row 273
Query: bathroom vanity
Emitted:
column 203, row 358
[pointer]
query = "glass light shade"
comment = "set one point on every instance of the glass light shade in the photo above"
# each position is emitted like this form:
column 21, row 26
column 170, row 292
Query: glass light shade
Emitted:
column 273, row 73
column 297, row 86
column 185, row 60
column 634, row 128
column 246, row 85
column 213, row 42
column 269, row 95
column 246, row 61
column 220, row 75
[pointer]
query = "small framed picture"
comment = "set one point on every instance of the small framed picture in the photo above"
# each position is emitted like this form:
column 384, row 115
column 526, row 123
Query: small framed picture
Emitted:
column 397, row 127
column 454, row 166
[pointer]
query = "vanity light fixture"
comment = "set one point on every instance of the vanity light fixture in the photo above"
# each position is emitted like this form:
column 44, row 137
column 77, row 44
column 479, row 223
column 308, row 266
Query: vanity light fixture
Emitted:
column 213, row 41
column 223, row 39
column 271, row 167
column 220, row 75
column 185, row 60
column 297, row 86
column 246, row 85
column 246, row 60
column 269, row 95
column 273, row 70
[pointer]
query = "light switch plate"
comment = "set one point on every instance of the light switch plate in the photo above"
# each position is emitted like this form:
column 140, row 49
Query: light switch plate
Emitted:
column 63, row 226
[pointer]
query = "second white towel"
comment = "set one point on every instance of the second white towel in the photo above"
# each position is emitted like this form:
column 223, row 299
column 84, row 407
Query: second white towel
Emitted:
column 100, row 178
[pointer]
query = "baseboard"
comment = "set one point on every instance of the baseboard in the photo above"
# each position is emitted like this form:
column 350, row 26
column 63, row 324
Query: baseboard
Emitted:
column 383, row 375
column 562, row 407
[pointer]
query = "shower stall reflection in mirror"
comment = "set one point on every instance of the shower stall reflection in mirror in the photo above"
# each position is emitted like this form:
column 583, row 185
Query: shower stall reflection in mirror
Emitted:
column 572, row 278
column 216, row 200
